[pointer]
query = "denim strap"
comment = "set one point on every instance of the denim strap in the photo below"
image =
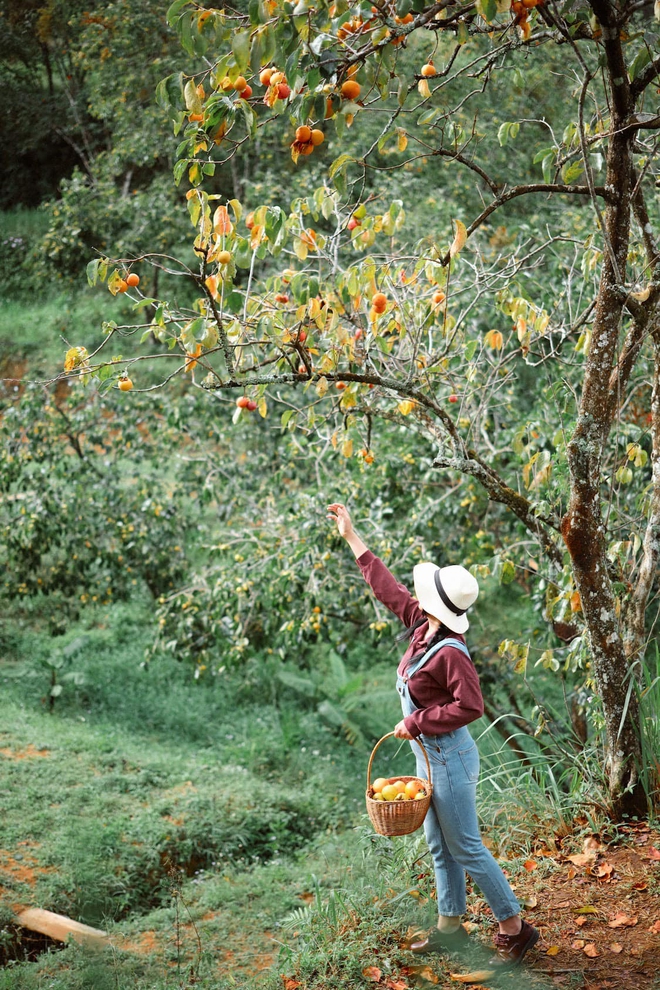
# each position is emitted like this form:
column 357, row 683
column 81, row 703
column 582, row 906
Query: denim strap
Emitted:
column 434, row 649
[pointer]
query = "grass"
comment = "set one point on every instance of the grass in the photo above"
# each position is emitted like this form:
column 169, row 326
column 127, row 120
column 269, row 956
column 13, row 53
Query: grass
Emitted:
column 23, row 223
column 142, row 782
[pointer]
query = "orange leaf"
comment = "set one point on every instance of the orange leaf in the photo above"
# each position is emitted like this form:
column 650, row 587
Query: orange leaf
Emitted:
column 530, row 864
column 581, row 921
column 602, row 870
column 655, row 927
column 476, row 977
column 289, row 982
column 393, row 984
column 615, row 947
column 654, row 853
column 579, row 943
column 372, row 973
column 554, row 950
column 621, row 920
column 221, row 221
column 591, row 950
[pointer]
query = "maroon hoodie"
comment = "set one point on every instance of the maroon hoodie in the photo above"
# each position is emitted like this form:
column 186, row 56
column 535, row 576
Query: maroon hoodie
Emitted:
column 446, row 690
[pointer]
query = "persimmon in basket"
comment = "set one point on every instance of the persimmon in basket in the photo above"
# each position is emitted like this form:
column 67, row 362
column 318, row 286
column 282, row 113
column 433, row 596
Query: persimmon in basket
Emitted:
column 393, row 789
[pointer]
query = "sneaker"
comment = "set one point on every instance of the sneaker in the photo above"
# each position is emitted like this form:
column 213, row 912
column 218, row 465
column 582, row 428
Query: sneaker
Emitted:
column 510, row 949
column 437, row 941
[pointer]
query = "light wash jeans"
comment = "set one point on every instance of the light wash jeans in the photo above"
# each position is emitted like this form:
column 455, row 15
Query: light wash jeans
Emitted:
column 451, row 825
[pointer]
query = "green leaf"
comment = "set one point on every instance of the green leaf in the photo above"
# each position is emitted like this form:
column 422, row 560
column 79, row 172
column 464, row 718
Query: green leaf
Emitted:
column 470, row 349
column 641, row 59
column 174, row 10
column 179, row 169
column 241, row 49
column 572, row 171
column 339, row 164
column 92, row 271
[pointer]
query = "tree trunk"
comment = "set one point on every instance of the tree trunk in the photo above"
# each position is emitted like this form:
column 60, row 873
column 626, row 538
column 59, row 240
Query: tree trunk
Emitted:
column 583, row 526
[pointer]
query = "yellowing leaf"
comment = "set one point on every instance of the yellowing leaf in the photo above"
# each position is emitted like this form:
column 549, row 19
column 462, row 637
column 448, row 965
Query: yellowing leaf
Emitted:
column 211, row 284
column 587, row 909
column 263, row 408
column 406, row 407
column 402, row 139
column 221, row 222
column 321, row 387
column 424, row 89
column 347, row 448
column 460, row 238
column 554, row 950
column 256, row 236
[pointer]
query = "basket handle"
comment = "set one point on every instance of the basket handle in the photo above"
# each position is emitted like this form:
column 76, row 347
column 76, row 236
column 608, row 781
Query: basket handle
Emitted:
column 373, row 753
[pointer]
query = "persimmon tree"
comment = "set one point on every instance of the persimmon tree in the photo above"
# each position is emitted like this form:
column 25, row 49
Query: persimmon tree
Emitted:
column 529, row 352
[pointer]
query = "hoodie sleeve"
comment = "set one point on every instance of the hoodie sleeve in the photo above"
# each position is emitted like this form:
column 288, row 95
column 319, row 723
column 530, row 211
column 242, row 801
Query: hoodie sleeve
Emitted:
column 461, row 681
column 387, row 589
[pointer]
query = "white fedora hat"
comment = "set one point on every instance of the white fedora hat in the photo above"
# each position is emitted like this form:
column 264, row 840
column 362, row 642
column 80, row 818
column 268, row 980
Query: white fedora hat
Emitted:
column 446, row 593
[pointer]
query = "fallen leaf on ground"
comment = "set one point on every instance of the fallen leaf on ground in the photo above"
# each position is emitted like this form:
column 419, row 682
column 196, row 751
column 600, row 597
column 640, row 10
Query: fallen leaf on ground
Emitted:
column 476, row 977
column 654, row 853
column 581, row 921
column 621, row 920
column 554, row 950
column 290, row 983
column 530, row 864
column 655, row 927
column 586, row 909
column 579, row 943
column 572, row 872
column 615, row 947
column 582, row 859
column 423, row 973
column 564, row 904
column 640, row 885
column 371, row 973
column 591, row 950
column 602, row 870
column 393, row 984
column 531, row 901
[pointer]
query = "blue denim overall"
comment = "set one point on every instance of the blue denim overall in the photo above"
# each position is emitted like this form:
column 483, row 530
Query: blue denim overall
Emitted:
column 451, row 825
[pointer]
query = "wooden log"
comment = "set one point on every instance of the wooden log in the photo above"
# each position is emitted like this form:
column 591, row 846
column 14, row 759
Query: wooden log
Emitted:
column 59, row 927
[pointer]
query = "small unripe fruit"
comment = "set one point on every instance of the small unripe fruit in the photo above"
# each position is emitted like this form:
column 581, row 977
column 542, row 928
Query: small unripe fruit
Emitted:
column 340, row 386
column 133, row 280
column 350, row 89
column 307, row 149
column 240, row 83
column 452, row 398
column 281, row 297
column 302, row 336
column 304, row 134
column 242, row 402
column 125, row 384
column 429, row 70
column 246, row 93
column 283, row 91
column 318, row 137
column 302, row 370
column 224, row 257
column 359, row 333
column 121, row 285
column 353, row 223
column 251, row 406
column 379, row 301
column 438, row 297
column 265, row 77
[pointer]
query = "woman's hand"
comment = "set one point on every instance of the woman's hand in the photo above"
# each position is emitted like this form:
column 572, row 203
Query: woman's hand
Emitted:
column 400, row 731
column 339, row 513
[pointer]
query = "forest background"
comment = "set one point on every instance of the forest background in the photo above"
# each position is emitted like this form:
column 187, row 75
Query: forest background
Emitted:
column 193, row 670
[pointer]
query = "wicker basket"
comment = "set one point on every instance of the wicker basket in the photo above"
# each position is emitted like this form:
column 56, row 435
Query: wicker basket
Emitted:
column 398, row 817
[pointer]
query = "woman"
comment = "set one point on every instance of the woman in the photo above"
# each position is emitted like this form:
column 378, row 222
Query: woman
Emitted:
column 440, row 694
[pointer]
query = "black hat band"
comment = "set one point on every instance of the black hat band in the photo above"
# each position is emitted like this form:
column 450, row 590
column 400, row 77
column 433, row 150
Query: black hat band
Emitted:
column 444, row 597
